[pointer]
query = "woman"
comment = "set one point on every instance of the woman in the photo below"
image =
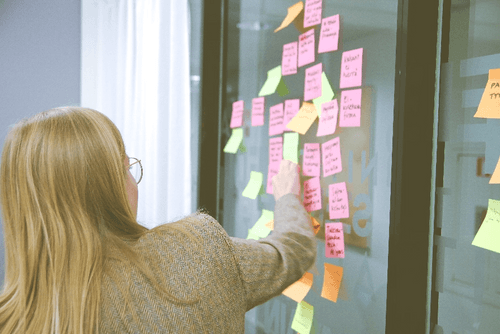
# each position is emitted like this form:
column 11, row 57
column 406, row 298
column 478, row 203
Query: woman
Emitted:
column 77, row 261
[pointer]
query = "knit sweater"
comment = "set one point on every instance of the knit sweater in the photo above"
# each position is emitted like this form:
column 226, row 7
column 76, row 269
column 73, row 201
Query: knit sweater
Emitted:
column 234, row 275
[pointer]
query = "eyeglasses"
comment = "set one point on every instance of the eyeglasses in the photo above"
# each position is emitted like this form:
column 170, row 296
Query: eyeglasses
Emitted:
column 135, row 168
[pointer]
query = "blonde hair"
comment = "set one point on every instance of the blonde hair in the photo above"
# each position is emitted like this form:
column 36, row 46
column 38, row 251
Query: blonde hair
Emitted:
column 65, row 215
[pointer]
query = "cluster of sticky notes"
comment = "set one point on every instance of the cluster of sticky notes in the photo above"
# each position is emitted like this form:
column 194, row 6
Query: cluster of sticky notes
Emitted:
column 489, row 232
column 260, row 228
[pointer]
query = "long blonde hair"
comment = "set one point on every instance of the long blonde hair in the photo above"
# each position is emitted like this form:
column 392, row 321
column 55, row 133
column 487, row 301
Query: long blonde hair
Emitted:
column 65, row 214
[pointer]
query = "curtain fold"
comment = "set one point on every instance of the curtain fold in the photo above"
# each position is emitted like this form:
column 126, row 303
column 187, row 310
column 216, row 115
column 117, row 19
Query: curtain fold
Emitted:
column 135, row 64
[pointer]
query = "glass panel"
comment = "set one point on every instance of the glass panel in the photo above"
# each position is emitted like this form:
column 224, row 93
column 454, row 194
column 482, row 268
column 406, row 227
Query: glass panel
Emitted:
column 466, row 276
column 366, row 153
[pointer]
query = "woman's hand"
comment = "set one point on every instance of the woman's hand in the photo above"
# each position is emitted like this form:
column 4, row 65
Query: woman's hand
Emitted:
column 287, row 180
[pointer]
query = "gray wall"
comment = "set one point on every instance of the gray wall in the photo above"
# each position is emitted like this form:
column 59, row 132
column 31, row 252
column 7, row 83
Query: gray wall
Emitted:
column 39, row 62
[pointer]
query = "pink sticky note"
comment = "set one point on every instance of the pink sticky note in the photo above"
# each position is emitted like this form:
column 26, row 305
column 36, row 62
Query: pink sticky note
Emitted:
column 289, row 59
column 332, row 161
column 311, row 161
column 329, row 35
column 237, row 114
column 258, row 105
column 292, row 107
column 312, row 84
column 350, row 108
column 312, row 194
column 312, row 12
column 351, row 70
column 273, row 169
column 276, row 119
column 338, row 202
column 306, row 48
column 275, row 150
column 328, row 120
column 334, row 240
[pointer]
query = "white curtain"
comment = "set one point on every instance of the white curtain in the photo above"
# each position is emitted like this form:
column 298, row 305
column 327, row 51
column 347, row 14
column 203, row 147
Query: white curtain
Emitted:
column 135, row 69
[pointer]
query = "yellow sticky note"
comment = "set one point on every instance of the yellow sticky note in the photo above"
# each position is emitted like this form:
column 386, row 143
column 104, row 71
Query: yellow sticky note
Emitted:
column 489, row 107
column 234, row 141
column 260, row 228
column 291, row 147
column 254, row 185
column 331, row 282
column 298, row 290
column 489, row 233
column 293, row 12
column 495, row 178
column 327, row 93
column 252, row 235
column 274, row 82
column 303, row 318
column 304, row 119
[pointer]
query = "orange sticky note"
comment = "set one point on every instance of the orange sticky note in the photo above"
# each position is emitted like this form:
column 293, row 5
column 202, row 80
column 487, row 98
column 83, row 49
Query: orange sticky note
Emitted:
column 316, row 225
column 270, row 225
column 489, row 107
column 304, row 118
column 495, row 178
column 293, row 12
column 331, row 282
column 298, row 290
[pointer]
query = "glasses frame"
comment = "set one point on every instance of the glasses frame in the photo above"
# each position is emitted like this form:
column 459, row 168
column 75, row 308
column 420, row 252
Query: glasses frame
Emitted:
column 136, row 161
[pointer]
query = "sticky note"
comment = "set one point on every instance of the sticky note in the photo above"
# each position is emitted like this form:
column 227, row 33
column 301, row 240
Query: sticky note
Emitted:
column 289, row 59
column 334, row 240
column 234, row 141
column 276, row 119
column 312, row 194
column 302, row 320
column 312, row 83
column 298, row 290
column 270, row 225
column 291, row 147
column 293, row 12
column 291, row 109
column 351, row 68
column 328, row 120
column 329, row 35
column 258, row 108
column 350, row 108
column 254, row 185
column 260, row 229
column 338, row 202
column 495, row 178
column 304, row 118
column 237, row 114
column 252, row 235
column 312, row 12
column 327, row 93
column 489, row 233
column 306, row 48
column 274, row 83
column 331, row 282
column 272, row 170
column 311, row 160
column 276, row 150
column 332, row 159
column 489, row 106
column 316, row 225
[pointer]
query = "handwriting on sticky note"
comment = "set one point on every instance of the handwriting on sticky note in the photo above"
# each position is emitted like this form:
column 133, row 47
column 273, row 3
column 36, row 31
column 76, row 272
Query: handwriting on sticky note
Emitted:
column 291, row 109
column 298, row 290
column 351, row 71
column 237, row 114
column 332, row 281
column 293, row 12
column 289, row 59
column 338, row 201
column 254, row 185
column 489, row 232
column 234, row 141
column 312, row 194
column 489, row 106
column 328, row 120
column 276, row 119
column 327, row 93
column 306, row 48
column 350, row 108
column 312, row 12
column 258, row 108
column 329, row 36
column 291, row 147
column 275, row 150
column 312, row 83
column 303, row 318
column 334, row 240
column 332, row 159
column 304, row 118
column 272, row 170
column 311, row 161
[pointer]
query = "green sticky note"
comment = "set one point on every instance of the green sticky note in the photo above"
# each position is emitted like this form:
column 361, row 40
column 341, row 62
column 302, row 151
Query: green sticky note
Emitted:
column 327, row 93
column 260, row 229
column 489, row 233
column 282, row 89
column 252, row 235
column 274, row 81
column 291, row 146
column 303, row 318
column 235, row 141
column 253, row 187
